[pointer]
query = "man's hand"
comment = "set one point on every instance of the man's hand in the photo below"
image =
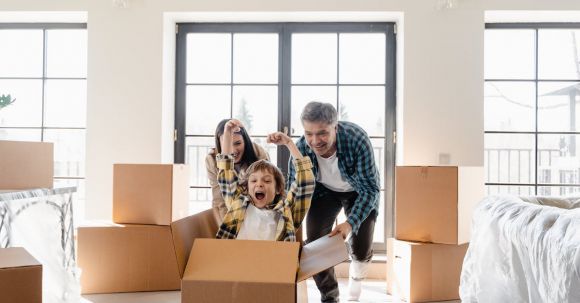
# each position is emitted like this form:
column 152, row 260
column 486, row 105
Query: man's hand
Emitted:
column 343, row 229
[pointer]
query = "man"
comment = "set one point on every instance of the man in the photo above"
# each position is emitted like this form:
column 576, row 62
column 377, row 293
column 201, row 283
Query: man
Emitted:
column 346, row 177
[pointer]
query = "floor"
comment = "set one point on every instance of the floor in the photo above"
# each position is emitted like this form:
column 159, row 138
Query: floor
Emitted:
column 373, row 291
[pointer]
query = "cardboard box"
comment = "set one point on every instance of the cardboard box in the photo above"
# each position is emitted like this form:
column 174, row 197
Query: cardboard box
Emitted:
column 423, row 272
column 20, row 276
column 128, row 258
column 435, row 203
column 26, row 165
column 255, row 271
column 150, row 193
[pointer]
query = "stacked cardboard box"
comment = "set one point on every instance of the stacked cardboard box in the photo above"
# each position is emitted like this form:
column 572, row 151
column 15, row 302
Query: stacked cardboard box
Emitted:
column 433, row 208
column 146, row 247
column 20, row 276
column 25, row 165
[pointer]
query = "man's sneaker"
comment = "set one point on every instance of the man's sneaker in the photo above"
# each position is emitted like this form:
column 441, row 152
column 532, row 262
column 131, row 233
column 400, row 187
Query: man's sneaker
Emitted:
column 354, row 289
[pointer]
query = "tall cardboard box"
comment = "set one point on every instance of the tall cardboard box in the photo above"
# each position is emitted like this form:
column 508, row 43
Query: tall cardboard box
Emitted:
column 150, row 193
column 26, row 165
column 435, row 203
column 424, row 272
column 20, row 276
column 128, row 258
column 254, row 271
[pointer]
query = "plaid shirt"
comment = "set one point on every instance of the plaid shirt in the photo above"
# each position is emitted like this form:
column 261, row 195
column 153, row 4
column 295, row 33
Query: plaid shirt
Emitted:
column 293, row 209
column 356, row 163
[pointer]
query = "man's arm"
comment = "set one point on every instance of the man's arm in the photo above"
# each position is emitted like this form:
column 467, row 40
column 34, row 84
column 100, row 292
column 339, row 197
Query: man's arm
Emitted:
column 367, row 184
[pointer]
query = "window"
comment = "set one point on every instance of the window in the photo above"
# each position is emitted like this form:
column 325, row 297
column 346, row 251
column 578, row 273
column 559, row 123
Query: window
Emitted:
column 532, row 90
column 264, row 74
column 44, row 68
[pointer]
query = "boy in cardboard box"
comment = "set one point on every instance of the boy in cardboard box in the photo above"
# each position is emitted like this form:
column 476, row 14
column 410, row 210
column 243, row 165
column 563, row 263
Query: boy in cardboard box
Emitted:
column 258, row 207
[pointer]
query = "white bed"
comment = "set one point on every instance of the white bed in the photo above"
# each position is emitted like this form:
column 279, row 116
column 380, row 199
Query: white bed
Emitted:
column 523, row 249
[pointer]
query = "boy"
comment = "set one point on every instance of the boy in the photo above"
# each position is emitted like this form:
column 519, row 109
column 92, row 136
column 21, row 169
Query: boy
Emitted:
column 258, row 208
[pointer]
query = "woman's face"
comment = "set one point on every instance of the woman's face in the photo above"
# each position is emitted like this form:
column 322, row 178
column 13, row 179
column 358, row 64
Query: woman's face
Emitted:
column 238, row 142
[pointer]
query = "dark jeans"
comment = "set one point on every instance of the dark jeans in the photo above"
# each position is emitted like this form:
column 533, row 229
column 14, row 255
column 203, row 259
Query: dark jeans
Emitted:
column 325, row 207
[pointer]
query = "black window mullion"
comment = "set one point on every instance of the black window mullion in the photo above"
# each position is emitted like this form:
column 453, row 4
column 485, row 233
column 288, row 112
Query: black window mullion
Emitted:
column 338, row 74
column 537, row 160
column 44, row 76
column 231, row 75
column 284, row 92
column 180, row 95
column 390, row 129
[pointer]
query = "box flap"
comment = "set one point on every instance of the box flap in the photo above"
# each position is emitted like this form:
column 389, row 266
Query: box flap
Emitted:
column 16, row 257
column 242, row 261
column 180, row 192
column 321, row 254
column 184, row 231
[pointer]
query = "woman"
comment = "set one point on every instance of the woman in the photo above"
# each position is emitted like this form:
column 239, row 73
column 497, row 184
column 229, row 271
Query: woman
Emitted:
column 245, row 153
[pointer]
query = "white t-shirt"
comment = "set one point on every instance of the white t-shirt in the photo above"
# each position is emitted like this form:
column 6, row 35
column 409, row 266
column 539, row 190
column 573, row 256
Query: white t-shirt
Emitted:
column 330, row 176
column 259, row 224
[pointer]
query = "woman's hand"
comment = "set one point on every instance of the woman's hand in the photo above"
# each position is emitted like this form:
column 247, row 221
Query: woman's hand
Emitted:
column 233, row 126
column 279, row 138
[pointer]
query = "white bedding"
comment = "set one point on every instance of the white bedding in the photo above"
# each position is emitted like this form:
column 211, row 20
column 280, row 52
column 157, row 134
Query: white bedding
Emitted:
column 523, row 250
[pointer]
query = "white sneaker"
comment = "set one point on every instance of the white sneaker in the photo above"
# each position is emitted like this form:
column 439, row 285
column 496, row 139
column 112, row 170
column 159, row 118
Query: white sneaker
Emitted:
column 354, row 289
column 357, row 273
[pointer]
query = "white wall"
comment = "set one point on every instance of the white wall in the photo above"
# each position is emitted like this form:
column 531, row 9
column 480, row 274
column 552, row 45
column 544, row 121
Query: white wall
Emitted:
column 130, row 85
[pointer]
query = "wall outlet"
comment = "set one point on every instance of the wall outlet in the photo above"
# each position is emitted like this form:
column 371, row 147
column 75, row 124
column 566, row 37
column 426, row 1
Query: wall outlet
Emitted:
column 444, row 158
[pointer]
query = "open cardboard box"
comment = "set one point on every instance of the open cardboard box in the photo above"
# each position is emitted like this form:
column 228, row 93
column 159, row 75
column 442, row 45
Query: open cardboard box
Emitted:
column 255, row 271
column 20, row 276
column 435, row 203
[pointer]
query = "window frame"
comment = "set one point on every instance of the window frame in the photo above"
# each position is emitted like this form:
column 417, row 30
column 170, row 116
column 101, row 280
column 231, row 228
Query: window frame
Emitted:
column 536, row 81
column 44, row 27
column 285, row 31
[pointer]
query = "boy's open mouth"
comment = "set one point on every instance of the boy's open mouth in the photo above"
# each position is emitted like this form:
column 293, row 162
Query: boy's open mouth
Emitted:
column 260, row 195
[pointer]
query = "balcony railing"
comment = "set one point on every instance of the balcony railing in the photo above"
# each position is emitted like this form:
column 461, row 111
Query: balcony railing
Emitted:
column 558, row 173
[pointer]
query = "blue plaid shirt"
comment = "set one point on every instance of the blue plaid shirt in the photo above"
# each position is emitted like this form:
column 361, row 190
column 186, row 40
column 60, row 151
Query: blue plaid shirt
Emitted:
column 356, row 163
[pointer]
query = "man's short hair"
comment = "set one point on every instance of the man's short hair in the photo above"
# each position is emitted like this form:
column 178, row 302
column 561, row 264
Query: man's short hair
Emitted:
column 319, row 112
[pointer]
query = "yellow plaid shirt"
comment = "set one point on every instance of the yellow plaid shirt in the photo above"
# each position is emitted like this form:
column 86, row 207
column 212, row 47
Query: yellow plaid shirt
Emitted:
column 292, row 209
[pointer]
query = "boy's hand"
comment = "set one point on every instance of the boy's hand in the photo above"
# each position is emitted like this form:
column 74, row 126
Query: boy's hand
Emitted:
column 279, row 138
column 343, row 229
